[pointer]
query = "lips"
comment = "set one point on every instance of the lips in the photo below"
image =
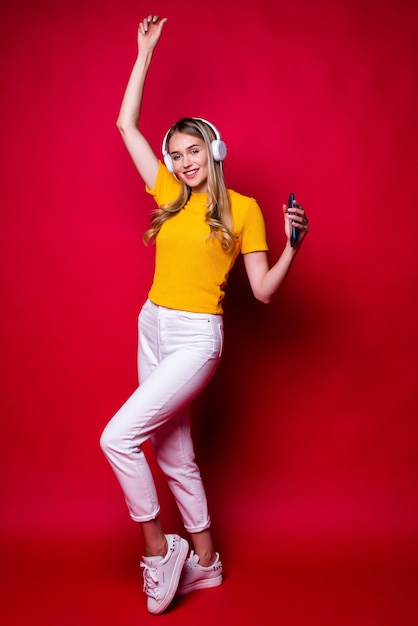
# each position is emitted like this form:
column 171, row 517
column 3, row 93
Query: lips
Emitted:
column 190, row 173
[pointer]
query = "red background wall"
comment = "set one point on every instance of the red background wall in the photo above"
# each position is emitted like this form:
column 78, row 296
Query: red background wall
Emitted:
column 309, row 428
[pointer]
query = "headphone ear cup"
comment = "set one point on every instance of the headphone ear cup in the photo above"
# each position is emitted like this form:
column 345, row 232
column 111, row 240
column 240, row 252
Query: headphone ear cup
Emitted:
column 219, row 149
column 169, row 163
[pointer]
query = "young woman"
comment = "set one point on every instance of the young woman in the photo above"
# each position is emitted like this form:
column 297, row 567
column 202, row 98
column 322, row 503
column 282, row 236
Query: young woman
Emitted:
column 199, row 229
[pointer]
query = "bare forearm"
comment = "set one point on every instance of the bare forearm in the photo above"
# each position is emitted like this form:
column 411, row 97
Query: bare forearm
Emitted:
column 131, row 103
column 266, row 280
column 276, row 275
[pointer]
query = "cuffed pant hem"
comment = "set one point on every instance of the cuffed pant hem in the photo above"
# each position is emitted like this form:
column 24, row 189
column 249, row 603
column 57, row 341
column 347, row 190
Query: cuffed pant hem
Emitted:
column 145, row 518
column 198, row 529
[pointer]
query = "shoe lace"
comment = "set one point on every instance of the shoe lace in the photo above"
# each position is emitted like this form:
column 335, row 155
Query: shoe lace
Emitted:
column 150, row 581
column 192, row 560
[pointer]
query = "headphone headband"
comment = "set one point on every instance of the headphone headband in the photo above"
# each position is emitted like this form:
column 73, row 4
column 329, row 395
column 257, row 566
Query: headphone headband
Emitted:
column 218, row 146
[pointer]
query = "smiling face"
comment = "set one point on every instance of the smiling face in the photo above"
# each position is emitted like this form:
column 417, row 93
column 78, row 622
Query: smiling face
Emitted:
column 190, row 160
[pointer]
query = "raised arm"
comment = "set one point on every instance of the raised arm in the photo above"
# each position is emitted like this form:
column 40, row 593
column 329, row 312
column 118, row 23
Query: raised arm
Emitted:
column 146, row 162
column 266, row 280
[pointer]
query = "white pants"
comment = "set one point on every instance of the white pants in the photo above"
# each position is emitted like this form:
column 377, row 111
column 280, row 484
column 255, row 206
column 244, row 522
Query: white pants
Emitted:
column 178, row 353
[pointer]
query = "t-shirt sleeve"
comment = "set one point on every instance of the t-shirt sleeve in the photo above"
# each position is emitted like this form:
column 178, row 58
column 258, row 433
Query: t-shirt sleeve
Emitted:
column 166, row 189
column 253, row 233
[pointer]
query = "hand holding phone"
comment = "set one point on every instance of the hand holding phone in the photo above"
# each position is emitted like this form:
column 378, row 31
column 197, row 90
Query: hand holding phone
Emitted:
column 294, row 231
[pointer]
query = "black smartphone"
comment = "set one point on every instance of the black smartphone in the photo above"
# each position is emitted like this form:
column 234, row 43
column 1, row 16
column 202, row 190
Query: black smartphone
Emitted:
column 294, row 233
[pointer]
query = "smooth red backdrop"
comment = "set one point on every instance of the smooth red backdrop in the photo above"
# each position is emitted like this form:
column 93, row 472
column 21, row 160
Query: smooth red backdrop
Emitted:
column 308, row 433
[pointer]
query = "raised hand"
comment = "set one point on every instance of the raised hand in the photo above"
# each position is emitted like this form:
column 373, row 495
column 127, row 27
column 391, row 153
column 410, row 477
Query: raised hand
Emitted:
column 149, row 31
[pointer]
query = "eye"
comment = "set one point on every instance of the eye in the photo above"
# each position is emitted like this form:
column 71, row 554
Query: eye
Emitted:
column 175, row 157
column 194, row 151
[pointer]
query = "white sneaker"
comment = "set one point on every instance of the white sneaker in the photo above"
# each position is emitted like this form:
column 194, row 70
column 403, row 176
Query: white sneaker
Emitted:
column 162, row 574
column 195, row 576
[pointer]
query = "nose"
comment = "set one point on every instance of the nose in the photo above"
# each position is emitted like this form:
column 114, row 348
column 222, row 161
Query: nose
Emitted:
column 186, row 160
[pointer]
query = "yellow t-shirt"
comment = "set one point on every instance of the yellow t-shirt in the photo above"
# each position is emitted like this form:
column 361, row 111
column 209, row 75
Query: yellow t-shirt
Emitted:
column 191, row 269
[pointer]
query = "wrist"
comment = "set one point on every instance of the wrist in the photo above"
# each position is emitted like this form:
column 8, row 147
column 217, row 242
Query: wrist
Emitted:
column 144, row 54
column 289, row 251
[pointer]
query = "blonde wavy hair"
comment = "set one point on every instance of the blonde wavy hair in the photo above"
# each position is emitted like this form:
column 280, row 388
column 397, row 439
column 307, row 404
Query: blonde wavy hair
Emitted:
column 218, row 213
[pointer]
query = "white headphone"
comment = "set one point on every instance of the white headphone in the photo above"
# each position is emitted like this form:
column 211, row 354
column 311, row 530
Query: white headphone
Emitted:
column 218, row 146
